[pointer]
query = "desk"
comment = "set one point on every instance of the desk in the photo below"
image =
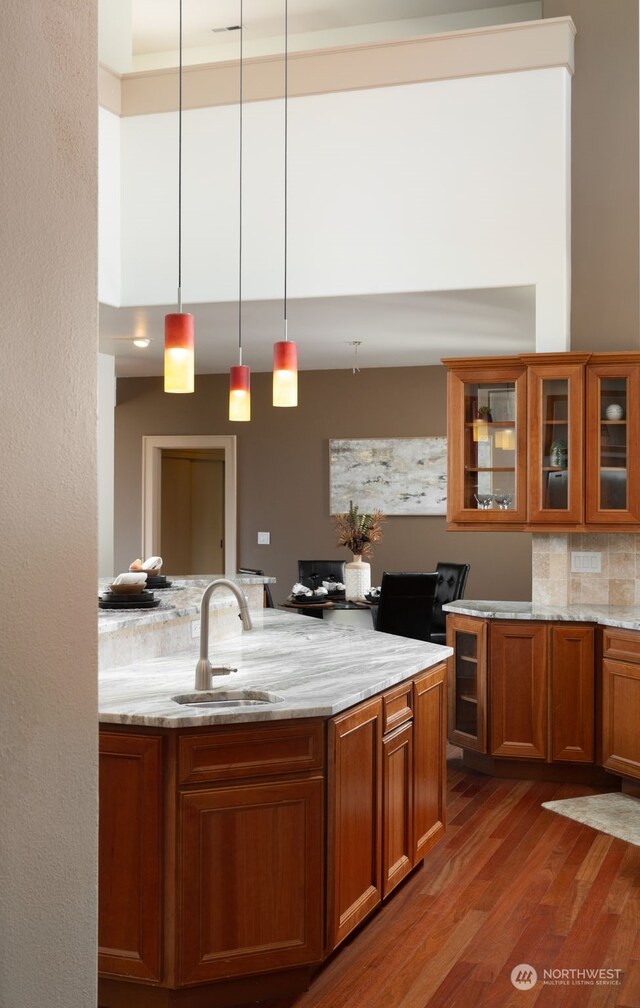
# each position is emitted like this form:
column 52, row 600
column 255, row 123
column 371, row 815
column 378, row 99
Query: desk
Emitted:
column 347, row 613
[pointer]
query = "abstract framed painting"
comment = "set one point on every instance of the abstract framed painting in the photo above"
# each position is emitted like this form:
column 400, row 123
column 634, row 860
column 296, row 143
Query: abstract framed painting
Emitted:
column 400, row 476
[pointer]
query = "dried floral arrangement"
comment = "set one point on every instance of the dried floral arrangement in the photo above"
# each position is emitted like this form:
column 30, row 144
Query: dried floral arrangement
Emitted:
column 359, row 532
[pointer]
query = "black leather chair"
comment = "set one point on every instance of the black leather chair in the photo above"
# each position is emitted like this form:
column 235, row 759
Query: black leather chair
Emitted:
column 452, row 580
column 406, row 603
column 268, row 600
column 311, row 573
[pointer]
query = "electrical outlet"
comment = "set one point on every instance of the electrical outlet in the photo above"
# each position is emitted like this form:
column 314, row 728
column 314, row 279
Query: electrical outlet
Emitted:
column 264, row 538
column 195, row 627
column 586, row 563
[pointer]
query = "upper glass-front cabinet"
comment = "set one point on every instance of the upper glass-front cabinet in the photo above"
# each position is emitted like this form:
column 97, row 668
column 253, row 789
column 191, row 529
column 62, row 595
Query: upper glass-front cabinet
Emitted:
column 556, row 451
column 613, row 455
column 545, row 441
column 486, row 482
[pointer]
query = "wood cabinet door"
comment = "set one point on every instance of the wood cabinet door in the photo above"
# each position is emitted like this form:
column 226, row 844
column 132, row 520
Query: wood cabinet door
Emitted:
column 518, row 671
column 397, row 807
column 250, row 879
column 486, row 451
column 130, row 856
column 429, row 759
column 467, row 682
column 572, row 693
column 354, row 803
column 613, row 428
column 621, row 717
column 555, row 393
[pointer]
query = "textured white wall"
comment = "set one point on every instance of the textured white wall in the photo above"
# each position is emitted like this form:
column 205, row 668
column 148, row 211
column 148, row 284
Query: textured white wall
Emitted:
column 48, row 543
column 437, row 186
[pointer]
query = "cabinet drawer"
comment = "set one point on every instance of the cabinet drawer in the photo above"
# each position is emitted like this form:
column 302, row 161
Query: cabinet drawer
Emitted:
column 397, row 707
column 250, row 752
column 621, row 644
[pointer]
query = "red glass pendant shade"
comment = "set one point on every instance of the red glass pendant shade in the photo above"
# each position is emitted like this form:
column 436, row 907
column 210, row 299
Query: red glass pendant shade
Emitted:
column 240, row 392
column 285, row 373
column 178, row 352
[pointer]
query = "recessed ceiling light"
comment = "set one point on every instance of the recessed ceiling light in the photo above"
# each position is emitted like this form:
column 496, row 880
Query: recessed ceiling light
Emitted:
column 142, row 342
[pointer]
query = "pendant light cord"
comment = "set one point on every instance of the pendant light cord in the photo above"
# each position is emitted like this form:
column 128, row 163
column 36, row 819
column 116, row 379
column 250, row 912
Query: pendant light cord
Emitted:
column 240, row 194
column 180, row 169
column 286, row 152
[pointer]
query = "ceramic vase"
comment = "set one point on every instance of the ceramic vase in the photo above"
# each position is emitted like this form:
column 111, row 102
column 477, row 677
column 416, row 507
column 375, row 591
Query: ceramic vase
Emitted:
column 357, row 579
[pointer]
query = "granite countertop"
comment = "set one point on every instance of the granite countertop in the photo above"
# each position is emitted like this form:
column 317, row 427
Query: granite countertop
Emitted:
column 626, row 617
column 181, row 599
column 318, row 668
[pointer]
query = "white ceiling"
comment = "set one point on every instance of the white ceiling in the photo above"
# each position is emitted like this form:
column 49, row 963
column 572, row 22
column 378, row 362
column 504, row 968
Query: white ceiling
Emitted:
column 402, row 329
column 395, row 330
column 155, row 22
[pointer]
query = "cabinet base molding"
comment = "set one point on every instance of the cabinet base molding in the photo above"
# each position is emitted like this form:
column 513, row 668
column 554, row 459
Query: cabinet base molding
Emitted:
column 222, row 994
column 565, row 773
column 631, row 787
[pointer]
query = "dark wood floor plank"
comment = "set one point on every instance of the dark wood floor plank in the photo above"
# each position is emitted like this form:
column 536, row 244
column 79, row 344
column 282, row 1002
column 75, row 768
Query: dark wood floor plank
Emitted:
column 629, row 996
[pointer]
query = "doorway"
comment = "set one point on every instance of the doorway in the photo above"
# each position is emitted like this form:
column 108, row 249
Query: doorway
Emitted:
column 192, row 509
column 189, row 502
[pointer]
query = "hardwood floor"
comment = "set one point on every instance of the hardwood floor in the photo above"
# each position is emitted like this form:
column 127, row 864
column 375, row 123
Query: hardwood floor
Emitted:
column 511, row 883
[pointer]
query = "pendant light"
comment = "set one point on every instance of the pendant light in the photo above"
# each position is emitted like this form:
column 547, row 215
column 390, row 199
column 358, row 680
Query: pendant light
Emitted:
column 285, row 352
column 178, row 326
column 240, row 375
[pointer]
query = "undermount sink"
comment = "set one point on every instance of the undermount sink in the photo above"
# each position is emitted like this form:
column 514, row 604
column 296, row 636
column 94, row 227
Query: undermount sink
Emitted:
column 226, row 698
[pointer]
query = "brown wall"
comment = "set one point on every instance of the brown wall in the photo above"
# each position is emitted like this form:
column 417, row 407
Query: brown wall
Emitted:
column 605, row 284
column 283, row 472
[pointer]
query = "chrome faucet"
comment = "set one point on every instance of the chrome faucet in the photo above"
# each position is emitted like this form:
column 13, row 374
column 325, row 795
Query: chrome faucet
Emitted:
column 204, row 669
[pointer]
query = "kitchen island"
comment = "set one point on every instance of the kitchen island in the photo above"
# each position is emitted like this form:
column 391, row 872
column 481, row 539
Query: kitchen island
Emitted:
column 546, row 692
column 240, row 846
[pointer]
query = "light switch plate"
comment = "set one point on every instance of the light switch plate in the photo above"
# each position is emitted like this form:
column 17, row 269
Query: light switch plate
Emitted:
column 586, row 563
column 264, row 538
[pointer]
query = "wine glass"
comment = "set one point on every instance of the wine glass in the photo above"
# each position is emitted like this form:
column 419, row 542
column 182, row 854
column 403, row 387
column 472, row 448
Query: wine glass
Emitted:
column 503, row 499
column 485, row 500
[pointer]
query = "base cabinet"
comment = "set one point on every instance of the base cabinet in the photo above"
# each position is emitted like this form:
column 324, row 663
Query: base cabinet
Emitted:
column 130, row 856
column 234, row 859
column 397, row 804
column 531, row 683
column 518, row 673
column 254, row 904
column 354, row 855
column 467, row 710
column 621, row 702
column 430, row 767
column 572, row 693
column 386, row 793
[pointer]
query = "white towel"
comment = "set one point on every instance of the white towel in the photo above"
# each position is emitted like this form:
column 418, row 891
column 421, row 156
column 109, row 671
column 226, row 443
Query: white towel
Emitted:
column 152, row 564
column 132, row 578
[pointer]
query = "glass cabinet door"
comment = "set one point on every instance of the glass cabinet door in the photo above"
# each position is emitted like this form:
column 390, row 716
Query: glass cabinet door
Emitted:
column 612, row 450
column 487, row 447
column 467, row 678
column 556, row 395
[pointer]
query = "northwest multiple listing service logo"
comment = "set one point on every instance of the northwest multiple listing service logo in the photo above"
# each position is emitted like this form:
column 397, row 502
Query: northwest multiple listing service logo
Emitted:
column 524, row 976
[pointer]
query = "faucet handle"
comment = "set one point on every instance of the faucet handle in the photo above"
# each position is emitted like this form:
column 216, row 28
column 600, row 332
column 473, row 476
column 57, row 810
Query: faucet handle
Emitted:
column 205, row 670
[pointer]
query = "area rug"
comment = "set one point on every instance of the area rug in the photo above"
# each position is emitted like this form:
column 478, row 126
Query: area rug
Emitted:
column 616, row 814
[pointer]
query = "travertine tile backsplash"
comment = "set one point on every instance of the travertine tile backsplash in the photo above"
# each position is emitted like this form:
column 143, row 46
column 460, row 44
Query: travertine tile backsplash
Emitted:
column 618, row 583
